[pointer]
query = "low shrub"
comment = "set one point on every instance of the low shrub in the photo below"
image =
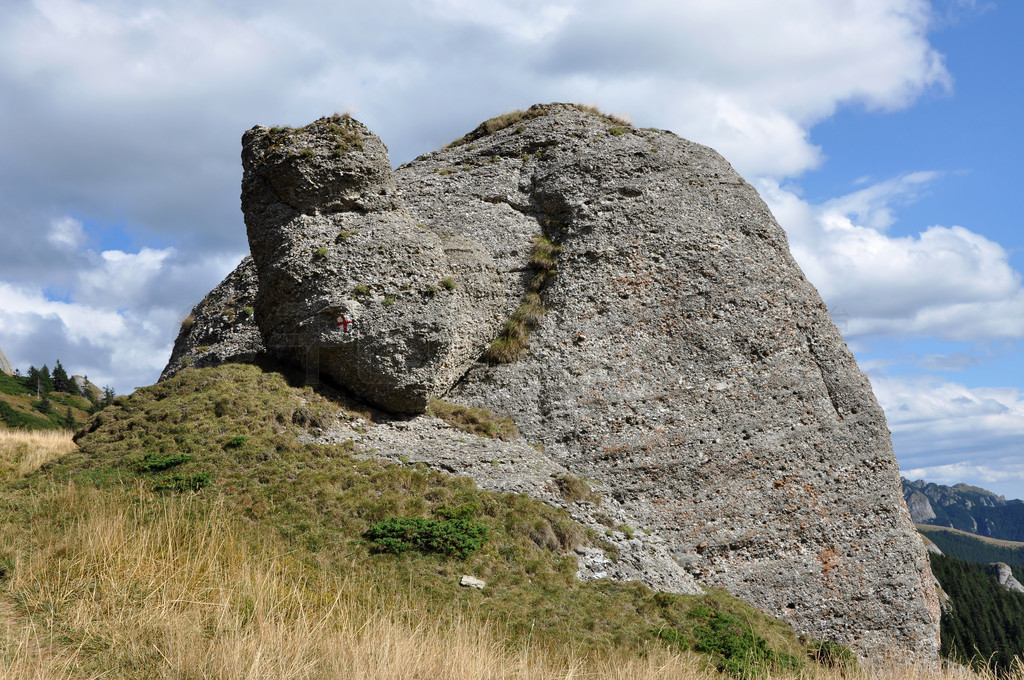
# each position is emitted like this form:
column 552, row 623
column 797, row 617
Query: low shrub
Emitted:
column 477, row 421
column 156, row 462
column 459, row 537
column 184, row 483
column 833, row 655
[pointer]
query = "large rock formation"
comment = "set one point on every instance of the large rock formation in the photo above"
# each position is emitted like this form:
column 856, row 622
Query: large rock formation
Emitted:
column 678, row 357
column 348, row 279
column 5, row 365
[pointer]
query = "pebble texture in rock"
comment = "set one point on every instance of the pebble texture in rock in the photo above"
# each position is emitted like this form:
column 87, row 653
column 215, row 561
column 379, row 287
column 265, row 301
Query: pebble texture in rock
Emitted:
column 684, row 363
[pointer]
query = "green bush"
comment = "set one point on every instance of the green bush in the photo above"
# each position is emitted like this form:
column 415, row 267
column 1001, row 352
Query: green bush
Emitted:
column 459, row 537
column 155, row 462
column 732, row 643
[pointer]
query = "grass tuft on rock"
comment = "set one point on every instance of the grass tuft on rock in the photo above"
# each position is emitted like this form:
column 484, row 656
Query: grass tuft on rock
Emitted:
column 478, row 421
column 514, row 338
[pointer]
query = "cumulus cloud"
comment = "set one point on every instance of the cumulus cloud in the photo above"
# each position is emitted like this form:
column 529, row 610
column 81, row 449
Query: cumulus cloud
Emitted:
column 120, row 316
column 129, row 118
column 945, row 282
column 66, row 233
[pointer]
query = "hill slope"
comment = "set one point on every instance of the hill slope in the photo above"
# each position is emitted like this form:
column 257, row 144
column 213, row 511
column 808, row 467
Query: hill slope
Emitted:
column 984, row 621
column 198, row 527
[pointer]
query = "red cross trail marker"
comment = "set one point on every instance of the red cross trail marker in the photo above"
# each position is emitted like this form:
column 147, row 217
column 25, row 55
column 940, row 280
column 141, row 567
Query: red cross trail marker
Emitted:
column 345, row 322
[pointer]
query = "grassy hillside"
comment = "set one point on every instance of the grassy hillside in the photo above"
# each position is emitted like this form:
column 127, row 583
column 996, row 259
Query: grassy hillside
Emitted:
column 19, row 407
column 190, row 534
column 979, row 549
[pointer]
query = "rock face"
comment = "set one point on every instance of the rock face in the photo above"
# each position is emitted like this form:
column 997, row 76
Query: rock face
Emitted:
column 678, row 356
column 5, row 365
column 965, row 507
column 919, row 506
column 1005, row 577
column 348, row 280
column 222, row 327
column 686, row 362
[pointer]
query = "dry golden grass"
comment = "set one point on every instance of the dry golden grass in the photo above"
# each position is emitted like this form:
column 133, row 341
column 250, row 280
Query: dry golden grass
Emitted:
column 134, row 585
column 24, row 451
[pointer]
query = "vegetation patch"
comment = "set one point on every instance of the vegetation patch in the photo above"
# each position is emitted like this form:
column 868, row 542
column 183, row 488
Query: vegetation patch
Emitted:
column 732, row 642
column 108, row 575
column 183, row 483
column 572, row 489
column 514, row 338
column 458, row 537
column 478, row 421
column 831, row 654
column 155, row 462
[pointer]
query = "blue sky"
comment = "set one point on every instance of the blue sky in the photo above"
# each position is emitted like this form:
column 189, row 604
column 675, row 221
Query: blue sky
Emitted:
column 884, row 135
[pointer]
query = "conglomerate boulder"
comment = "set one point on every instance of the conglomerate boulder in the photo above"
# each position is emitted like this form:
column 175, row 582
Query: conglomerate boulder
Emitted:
column 349, row 283
column 666, row 346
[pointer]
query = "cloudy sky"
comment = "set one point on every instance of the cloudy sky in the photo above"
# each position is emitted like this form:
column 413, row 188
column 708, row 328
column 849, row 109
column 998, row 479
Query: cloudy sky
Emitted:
column 884, row 134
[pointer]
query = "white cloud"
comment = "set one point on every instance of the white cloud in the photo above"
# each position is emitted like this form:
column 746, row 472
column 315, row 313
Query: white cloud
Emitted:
column 120, row 318
column 945, row 282
column 1007, row 481
column 121, row 277
column 66, row 233
column 947, row 432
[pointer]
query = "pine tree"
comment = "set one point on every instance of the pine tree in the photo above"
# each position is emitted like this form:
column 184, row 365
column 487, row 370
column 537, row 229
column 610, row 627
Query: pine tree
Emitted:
column 108, row 396
column 61, row 381
column 45, row 381
column 32, row 379
column 69, row 420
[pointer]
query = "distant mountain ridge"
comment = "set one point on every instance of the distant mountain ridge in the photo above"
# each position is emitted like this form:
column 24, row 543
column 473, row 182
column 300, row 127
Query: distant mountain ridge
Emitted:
column 964, row 507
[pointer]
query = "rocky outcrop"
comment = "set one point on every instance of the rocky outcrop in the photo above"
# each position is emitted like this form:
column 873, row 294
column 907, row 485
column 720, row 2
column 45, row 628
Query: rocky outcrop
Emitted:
column 348, row 280
column 5, row 365
column 965, row 507
column 687, row 363
column 1004, row 575
column 222, row 327
column 674, row 353
column 919, row 506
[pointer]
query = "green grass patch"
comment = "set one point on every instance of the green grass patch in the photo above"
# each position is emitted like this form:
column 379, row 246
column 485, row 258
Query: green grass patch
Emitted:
column 156, row 462
column 728, row 636
column 184, row 483
column 478, row 421
column 514, row 338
